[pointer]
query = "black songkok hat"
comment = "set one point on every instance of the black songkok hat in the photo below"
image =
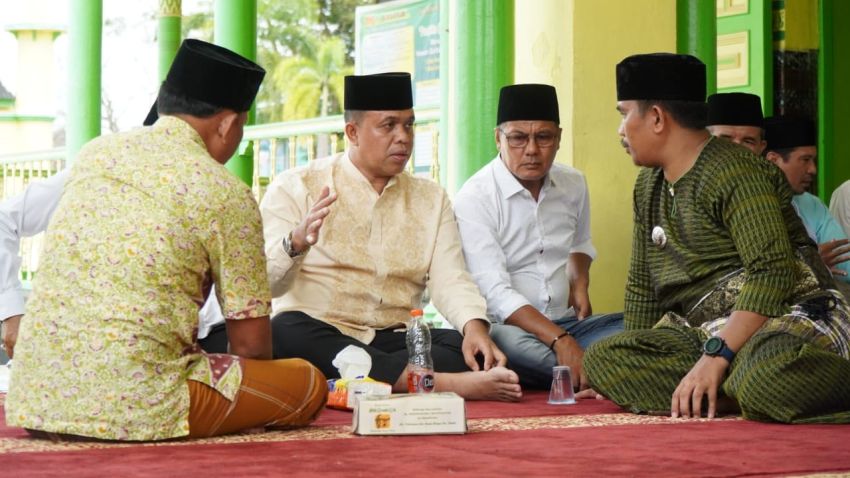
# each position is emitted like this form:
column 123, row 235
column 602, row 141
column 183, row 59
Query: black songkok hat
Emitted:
column 661, row 76
column 215, row 75
column 783, row 133
column 530, row 102
column 152, row 116
column 735, row 109
column 380, row 92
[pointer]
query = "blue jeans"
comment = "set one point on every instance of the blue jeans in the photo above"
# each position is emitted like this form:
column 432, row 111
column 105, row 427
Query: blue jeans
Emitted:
column 532, row 360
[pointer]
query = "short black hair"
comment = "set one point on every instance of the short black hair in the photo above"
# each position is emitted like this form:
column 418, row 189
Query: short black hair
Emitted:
column 689, row 114
column 171, row 102
column 352, row 116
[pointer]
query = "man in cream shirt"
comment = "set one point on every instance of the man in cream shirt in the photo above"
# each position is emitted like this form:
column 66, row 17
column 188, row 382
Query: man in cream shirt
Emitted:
column 352, row 241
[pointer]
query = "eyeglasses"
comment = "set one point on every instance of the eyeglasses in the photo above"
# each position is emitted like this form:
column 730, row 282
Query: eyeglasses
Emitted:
column 520, row 140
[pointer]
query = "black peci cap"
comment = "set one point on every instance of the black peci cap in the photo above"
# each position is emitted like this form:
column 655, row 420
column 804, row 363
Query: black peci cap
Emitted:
column 214, row 75
column 784, row 133
column 735, row 109
column 379, row 92
column 152, row 116
column 661, row 76
column 528, row 102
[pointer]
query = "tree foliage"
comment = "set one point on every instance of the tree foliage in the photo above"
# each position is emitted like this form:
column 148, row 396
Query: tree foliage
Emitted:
column 307, row 46
column 312, row 84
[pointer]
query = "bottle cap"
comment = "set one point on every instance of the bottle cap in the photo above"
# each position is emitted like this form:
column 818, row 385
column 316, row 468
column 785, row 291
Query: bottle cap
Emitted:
column 415, row 312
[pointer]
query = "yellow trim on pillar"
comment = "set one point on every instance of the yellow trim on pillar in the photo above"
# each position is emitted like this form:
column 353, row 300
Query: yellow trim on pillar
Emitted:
column 170, row 8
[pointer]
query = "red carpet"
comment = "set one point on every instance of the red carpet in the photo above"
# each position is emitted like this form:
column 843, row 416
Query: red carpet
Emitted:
column 592, row 438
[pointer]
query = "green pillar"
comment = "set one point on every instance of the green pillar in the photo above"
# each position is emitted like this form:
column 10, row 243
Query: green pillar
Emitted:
column 833, row 97
column 482, row 36
column 696, row 34
column 170, row 17
column 236, row 29
column 84, row 45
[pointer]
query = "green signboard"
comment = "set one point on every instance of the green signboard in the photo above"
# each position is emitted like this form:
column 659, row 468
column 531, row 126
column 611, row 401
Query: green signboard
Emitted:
column 401, row 36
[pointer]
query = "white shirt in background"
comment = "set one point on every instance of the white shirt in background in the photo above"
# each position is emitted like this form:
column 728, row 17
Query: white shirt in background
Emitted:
column 839, row 206
column 28, row 214
column 24, row 215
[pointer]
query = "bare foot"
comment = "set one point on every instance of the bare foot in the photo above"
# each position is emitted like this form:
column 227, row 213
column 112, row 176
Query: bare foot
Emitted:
column 498, row 383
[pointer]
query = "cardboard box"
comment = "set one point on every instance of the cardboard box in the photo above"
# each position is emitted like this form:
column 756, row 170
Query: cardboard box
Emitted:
column 410, row 414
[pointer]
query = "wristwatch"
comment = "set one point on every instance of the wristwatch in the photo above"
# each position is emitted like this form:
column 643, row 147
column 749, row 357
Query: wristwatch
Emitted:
column 716, row 347
column 287, row 247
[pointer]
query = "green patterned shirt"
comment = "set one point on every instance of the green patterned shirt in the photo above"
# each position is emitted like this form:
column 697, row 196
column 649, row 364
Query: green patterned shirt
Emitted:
column 731, row 211
column 147, row 222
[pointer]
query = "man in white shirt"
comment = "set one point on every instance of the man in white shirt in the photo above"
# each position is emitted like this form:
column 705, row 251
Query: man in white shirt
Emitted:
column 525, row 228
column 24, row 215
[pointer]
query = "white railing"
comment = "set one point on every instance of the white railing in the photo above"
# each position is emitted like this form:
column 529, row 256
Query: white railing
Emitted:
column 17, row 171
column 282, row 146
column 276, row 148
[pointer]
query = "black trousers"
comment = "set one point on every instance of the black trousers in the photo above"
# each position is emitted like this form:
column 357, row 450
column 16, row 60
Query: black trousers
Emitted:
column 297, row 335
column 216, row 341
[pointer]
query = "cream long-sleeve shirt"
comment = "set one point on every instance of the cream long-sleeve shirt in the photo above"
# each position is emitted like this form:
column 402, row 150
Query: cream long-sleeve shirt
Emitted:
column 375, row 254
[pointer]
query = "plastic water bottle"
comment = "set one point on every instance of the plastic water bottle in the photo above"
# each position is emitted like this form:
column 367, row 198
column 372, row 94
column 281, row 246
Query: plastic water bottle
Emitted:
column 420, row 375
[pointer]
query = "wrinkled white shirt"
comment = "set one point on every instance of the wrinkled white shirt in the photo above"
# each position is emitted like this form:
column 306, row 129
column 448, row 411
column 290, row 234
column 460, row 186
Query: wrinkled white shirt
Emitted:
column 516, row 248
column 28, row 214
column 24, row 215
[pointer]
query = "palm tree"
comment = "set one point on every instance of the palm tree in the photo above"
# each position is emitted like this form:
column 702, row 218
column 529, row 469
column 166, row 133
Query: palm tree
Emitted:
column 312, row 84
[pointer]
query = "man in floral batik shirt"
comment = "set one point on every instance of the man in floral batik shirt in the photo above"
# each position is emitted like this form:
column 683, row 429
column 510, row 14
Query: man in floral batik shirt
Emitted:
column 149, row 219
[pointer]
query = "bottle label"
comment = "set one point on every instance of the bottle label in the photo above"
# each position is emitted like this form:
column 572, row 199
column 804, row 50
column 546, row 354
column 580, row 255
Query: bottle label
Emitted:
column 420, row 381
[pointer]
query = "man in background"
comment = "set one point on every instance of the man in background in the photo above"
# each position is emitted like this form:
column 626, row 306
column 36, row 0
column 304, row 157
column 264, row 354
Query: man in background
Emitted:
column 792, row 146
column 738, row 118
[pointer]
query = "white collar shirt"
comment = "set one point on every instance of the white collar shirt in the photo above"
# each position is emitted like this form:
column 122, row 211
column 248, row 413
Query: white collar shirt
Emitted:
column 516, row 248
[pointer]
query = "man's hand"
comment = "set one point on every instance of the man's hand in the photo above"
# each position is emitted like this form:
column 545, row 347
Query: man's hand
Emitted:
column 580, row 302
column 306, row 233
column 578, row 270
column 476, row 339
column 568, row 352
column 10, row 334
column 703, row 380
column 834, row 252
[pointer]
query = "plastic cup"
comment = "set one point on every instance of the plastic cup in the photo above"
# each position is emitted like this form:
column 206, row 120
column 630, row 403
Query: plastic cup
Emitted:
column 561, row 392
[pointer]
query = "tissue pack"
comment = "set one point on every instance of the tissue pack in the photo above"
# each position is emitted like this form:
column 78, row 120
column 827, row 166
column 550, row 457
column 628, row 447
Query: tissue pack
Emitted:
column 410, row 414
column 343, row 392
